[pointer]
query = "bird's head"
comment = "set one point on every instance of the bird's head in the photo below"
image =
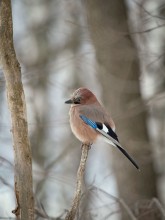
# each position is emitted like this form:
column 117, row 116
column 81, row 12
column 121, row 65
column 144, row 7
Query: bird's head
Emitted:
column 82, row 96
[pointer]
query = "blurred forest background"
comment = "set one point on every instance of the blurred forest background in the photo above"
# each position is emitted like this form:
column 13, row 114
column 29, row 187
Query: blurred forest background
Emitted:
column 117, row 50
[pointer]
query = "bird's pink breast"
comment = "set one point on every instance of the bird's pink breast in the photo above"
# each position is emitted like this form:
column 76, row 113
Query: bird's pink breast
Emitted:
column 82, row 131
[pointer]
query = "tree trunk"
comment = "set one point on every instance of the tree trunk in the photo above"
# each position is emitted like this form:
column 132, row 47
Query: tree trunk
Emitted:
column 16, row 103
column 119, row 75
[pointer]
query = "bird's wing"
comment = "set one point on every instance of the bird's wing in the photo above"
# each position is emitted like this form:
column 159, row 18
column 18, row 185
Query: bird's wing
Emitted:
column 97, row 113
column 108, row 133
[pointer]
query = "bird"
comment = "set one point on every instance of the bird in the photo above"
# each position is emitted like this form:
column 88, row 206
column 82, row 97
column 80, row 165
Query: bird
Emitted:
column 89, row 121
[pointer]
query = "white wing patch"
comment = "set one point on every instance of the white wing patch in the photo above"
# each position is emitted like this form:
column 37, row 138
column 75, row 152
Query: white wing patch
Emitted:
column 105, row 129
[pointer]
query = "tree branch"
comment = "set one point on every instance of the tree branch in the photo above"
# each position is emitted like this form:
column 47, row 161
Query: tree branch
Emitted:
column 80, row 175
column 17, row 107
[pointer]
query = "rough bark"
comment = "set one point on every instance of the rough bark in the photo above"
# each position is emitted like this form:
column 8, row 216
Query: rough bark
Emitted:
column 17, row 107
column 119, row 75
column 80, row 177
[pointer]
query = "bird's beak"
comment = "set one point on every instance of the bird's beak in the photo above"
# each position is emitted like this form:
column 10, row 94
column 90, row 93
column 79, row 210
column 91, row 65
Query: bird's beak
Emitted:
column 70, row 101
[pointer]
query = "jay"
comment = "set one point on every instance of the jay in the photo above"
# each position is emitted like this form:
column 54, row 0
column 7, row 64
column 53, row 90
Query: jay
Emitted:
column 90, row 121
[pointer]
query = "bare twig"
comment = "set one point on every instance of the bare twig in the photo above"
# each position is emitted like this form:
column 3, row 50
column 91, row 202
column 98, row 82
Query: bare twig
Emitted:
column 17, row 106
column 148, row 30
column 127, row 209
column 4, row 160
column 6, row 183
column 148, row 12
column 159, row 206
column 120, row 201
column 80, row 174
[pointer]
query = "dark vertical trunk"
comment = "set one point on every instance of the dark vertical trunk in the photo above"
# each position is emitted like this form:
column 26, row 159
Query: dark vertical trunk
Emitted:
column 119, row 74
column 17, row 107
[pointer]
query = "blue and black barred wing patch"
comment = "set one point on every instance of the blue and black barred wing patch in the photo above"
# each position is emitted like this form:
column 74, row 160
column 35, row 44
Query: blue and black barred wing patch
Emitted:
column 107, row 132
column 89, row 122
column 102, row 128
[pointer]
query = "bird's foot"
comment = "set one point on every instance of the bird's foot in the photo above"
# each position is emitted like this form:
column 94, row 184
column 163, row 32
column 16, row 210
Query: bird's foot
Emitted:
column 86, row 144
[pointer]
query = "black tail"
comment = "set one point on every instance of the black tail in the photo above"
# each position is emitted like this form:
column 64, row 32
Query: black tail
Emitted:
column 128, row 156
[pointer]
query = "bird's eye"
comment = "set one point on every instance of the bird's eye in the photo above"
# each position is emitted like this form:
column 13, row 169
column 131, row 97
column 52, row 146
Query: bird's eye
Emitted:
column 77, row 100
